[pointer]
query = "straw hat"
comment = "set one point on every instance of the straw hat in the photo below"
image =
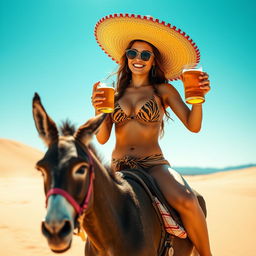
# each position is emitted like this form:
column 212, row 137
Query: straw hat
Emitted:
column 114, row 32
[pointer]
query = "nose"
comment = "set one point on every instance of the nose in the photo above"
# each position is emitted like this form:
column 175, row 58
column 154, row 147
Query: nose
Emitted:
column 60, row 228
column 138, row 57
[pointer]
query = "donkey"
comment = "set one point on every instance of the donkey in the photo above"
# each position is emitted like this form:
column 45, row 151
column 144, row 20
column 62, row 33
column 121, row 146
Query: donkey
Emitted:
column 116, row 215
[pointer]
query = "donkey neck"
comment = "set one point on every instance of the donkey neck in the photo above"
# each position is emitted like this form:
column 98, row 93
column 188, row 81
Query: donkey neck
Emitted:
column 109, row 216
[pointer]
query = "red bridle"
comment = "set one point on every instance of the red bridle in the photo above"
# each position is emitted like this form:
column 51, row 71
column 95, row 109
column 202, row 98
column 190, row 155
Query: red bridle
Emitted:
column 79, row 209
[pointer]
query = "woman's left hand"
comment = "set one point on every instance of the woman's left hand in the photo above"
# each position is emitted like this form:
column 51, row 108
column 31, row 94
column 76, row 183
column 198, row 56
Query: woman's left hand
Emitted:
column 204, row 82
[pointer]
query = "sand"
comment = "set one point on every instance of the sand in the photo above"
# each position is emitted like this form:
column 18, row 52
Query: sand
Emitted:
column 230, row 197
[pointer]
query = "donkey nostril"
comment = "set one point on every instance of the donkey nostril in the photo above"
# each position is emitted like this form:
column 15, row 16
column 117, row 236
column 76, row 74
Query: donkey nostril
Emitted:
column 66, row 229
column 46, row 229
column 61, row 229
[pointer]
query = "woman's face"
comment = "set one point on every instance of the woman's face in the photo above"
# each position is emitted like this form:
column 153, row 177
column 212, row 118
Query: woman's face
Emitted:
column 137, row 65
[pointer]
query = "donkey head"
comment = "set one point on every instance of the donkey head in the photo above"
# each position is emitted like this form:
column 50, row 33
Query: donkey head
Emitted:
column 65, row 168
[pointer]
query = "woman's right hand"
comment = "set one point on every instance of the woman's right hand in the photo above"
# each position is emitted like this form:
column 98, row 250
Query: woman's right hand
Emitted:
column 97, row 96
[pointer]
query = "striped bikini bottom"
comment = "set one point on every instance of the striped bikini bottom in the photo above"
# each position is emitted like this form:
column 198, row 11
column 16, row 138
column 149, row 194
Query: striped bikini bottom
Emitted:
column 131, row 162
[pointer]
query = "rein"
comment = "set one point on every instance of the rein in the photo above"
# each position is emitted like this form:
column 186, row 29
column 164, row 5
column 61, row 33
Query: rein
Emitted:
column 78, row 208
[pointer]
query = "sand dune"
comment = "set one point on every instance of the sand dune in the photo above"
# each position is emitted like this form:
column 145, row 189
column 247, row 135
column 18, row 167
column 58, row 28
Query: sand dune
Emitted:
column 230, row 196
column 17, row 159
column 231, row 203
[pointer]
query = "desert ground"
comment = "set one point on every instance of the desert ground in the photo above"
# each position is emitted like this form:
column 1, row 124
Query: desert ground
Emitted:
column 230, row 197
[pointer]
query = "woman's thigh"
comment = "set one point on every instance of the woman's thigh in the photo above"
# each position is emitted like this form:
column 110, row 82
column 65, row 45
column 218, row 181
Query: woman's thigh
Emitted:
column 173, row 186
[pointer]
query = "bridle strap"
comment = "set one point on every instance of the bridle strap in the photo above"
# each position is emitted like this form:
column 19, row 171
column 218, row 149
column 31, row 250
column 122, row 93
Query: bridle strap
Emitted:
column 59, row 191
column 89, row 192
column 79, row 209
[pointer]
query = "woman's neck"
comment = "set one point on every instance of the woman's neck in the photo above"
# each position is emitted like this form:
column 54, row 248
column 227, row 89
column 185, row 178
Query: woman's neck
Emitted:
column 139, row 81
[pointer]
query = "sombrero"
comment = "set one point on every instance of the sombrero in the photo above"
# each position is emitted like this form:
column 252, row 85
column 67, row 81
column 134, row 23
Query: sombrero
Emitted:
column 114, row 32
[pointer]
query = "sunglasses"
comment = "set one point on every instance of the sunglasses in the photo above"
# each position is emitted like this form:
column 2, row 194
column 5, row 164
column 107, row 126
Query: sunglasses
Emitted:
column 144, row 55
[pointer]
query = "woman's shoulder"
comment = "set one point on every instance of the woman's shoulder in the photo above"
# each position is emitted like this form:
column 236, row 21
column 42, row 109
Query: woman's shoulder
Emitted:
column 166, row 89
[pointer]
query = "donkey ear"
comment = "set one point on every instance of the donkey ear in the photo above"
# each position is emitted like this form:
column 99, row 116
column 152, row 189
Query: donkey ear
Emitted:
column 91, row 127
column 44, row 124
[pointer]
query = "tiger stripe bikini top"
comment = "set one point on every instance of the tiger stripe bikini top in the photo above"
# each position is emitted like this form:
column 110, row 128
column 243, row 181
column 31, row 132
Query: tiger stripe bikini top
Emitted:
column 149, row 112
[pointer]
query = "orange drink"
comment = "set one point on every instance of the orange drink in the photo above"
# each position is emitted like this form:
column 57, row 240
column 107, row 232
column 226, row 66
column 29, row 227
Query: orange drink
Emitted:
column 107, row 105
column 190, row 77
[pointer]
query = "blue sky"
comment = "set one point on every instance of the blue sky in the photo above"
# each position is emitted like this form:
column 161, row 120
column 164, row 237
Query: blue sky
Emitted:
column 49, row 47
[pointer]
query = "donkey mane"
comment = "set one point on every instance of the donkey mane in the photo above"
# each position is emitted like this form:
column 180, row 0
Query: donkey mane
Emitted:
column 67, row 128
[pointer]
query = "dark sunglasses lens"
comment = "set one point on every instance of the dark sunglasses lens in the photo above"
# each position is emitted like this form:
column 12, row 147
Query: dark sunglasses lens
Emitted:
column 131, row 54
column 145, row 55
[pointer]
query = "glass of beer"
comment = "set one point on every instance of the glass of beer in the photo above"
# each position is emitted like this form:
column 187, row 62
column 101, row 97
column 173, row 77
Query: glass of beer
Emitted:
column 107, row 86
column 190, row 77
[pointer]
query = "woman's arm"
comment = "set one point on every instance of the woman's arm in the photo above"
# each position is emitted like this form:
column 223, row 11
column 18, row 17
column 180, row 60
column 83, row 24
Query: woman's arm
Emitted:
column 104, row 131
column 105, row 128
column 191, row 118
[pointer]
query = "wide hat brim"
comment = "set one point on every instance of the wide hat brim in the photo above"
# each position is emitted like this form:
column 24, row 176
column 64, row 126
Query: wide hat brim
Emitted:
column 114, row 32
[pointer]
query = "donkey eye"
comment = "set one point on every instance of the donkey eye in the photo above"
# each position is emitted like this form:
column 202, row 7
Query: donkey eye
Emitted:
column 81, row 170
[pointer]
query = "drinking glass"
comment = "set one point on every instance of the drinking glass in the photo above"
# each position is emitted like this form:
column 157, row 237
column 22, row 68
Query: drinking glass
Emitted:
column 190, row 77
column 107, row 86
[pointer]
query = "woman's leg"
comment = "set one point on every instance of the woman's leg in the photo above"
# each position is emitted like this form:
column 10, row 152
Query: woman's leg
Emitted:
column 180, row 196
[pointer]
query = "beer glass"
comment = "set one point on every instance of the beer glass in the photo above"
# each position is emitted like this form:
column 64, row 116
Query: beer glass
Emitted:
column 107, row 86
column 190, row 77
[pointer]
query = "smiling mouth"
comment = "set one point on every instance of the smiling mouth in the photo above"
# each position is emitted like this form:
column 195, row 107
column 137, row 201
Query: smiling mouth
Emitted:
column 138, row 65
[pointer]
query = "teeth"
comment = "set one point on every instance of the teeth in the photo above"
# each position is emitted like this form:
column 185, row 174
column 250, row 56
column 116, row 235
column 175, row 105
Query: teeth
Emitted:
column 138, row 65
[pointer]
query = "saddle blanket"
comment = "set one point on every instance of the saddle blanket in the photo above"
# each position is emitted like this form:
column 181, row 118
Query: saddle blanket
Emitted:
column 171, row 226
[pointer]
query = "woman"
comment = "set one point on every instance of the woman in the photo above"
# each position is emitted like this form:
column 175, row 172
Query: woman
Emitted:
column 143, row 95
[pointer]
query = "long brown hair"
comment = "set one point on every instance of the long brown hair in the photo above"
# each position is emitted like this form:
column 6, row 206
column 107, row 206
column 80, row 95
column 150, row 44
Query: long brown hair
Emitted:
column 156, row 76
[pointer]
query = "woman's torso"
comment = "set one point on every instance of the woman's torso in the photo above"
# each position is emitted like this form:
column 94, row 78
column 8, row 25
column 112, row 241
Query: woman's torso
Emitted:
column 138, row 117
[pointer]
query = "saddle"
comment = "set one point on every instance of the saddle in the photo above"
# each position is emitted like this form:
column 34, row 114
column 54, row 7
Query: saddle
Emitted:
column 169, row 218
